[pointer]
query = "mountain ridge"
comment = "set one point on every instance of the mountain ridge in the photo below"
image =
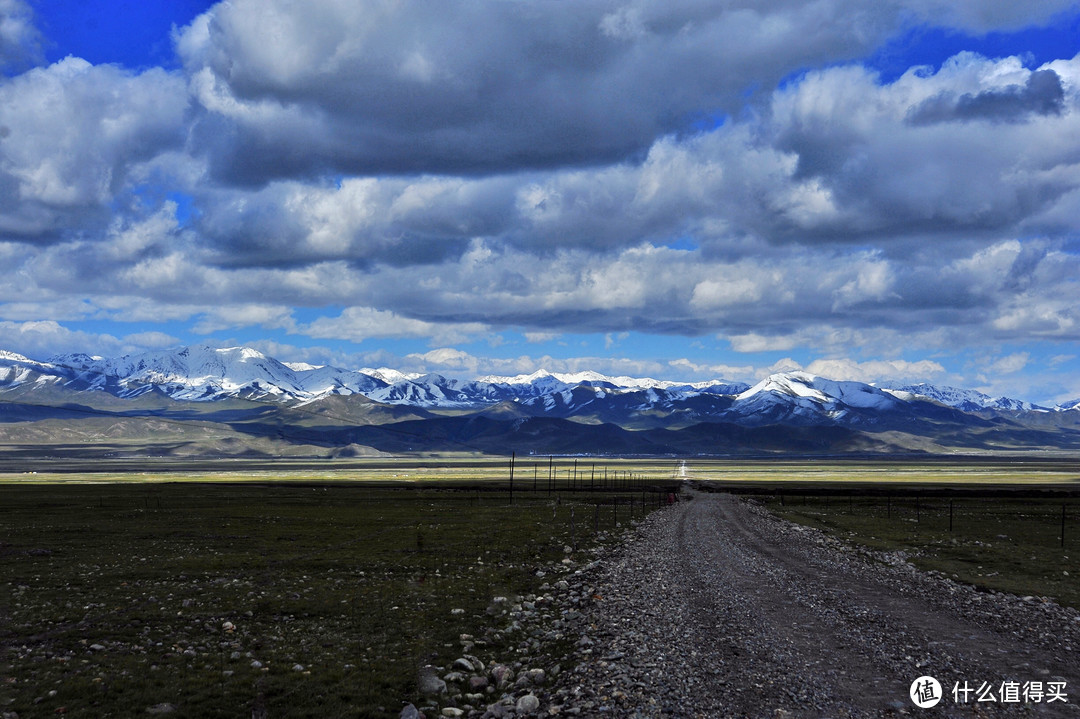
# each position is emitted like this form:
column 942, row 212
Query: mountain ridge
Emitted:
column 244, row 391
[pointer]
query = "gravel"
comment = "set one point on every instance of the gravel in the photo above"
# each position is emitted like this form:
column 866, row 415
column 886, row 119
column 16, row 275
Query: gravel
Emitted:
column 714, row 607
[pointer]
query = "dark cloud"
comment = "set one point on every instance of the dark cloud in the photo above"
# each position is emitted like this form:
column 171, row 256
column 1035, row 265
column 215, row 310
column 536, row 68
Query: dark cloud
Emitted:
column 528, row 165
column 407, row 88
column 1041, row 95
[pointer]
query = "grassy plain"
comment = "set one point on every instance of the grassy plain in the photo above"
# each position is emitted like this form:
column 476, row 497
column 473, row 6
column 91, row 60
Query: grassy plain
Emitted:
column 882, row 472
column 114, row 595
column 1006, row 526
column 117, row 578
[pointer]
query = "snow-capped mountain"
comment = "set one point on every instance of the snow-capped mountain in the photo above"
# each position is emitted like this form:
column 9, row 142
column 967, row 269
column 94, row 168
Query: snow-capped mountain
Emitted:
column 800, row 397
column 204, row 373
column 967, row 400
column 552, row 380
column 542, row 411
column 198, row 373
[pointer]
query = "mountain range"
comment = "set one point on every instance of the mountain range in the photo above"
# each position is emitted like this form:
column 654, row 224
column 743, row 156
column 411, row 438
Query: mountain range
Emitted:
column 203, row 400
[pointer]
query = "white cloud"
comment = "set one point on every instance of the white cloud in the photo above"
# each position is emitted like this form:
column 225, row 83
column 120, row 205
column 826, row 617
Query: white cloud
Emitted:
column 248, row 315
column 1010, row 363
column 43, row 339
column 446, row 359
column 72, row 134
column 20, row 40
column 357, row 324
column 877, row 370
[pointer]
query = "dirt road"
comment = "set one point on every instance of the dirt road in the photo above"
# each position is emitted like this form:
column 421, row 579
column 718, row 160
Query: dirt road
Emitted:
column 718, row 609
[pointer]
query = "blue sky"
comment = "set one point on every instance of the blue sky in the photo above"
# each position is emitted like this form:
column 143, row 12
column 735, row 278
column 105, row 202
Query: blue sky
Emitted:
column 866, row 190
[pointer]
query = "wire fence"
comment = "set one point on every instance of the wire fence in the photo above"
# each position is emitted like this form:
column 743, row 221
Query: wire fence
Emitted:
column 1045, row 521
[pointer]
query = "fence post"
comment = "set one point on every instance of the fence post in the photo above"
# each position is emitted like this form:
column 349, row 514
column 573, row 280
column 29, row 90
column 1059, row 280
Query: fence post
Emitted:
column 573, row 534
column 1063, row 525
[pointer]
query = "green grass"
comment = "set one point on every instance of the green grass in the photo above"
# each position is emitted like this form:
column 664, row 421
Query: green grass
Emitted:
column 1006, row 544
column 444, row 468
column 958, row 470
column 353, row 582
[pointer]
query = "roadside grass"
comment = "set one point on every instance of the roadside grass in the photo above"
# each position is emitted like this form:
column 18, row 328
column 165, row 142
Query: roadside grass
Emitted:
column 1004, row 544
column 900, row 472
column 442, row 468
column 312, row 601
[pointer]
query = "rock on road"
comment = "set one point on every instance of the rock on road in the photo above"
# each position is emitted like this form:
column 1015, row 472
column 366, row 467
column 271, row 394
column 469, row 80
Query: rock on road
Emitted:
column 718, row 609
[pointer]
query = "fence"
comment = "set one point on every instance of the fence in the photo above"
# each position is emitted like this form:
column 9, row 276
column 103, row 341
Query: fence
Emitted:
column 1041, row 520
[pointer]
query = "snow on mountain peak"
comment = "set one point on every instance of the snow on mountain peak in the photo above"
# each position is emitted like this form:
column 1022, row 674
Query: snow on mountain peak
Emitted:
column 13, row 357
column 390, row 376
column 967, row 400
column 832, row 394
column 204, row 372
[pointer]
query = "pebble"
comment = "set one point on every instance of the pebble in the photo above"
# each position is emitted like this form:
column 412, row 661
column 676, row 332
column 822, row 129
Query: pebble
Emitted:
column 527, row 704
column 428, row 681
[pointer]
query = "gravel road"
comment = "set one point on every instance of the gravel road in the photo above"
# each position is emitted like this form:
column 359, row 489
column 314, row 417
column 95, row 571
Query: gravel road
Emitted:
column 718, row 609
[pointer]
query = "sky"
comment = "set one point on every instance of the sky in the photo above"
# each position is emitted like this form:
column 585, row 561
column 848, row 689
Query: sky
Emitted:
column 874, row 190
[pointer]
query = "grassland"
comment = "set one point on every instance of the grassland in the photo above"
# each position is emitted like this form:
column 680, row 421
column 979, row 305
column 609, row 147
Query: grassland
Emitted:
column 879, row 473
column 442, row 470
column 316, row 588
column 310, row 598
column 1005, row 513
column 997, row 543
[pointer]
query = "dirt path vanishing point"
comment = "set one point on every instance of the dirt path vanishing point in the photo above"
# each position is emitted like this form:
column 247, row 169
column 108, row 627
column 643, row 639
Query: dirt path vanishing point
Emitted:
column 719, row 609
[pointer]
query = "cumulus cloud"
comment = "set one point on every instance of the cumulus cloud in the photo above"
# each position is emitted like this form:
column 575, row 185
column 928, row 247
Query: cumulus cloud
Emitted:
column 446, row 359
column 42, row 339
column 376, row 87
column 877, row 370
column 523, row 166
column 71, row 134
column 360, row 323
column 20, row 40
column 1041, row 95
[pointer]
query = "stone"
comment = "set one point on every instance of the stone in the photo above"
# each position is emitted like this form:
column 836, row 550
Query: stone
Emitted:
column 527, row 704
column 409, row 712
column 452, row 712
column 428, row 681
column 97, row 647
column 477, row 684
column 462, row 664
column 163, row 708
column 502, row 675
